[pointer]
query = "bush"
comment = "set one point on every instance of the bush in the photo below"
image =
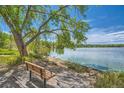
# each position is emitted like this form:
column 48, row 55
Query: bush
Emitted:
column 32, row 57
column 110, row 80
column 29, row 58
column 76, row 67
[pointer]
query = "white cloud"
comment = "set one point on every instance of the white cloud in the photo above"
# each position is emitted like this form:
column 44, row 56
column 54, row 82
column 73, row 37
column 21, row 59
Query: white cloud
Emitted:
column 106, row 35
column 88, row 20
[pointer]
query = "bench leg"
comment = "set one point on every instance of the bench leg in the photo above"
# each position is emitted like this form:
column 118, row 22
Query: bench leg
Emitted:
column 30, row 75
column 44, row 83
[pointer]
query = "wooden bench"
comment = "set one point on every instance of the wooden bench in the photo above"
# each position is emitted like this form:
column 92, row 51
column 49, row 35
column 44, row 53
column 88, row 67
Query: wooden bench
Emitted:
column 40, row 71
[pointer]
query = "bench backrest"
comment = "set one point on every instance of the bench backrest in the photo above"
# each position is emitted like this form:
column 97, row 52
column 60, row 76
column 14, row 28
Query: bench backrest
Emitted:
column 40, row 71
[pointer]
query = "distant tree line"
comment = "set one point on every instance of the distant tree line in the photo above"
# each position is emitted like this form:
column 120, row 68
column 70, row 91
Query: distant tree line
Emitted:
column 101, row 45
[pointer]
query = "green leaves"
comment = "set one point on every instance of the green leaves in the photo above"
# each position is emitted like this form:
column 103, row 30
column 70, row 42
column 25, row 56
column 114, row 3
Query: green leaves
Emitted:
column 81, row 8
column 3, row 39
column 6, row 40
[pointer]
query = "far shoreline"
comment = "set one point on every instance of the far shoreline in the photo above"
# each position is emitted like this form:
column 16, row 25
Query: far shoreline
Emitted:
column 100, row 46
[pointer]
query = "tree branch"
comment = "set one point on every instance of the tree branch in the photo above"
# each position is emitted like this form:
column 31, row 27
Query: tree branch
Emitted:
column 26, row 17
column 43, row 12
column 39, row 30
column 51, row 18
column 27, row 34
column 53, row 33
column 7, row 20
column 12, row 19
column 39, row 33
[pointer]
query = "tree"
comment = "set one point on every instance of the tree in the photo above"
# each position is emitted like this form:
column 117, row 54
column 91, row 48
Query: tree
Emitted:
column 4, row 39
column 46, row 20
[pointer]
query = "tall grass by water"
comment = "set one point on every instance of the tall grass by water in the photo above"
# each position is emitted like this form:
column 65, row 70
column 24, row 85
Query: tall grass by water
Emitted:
column 110, row 80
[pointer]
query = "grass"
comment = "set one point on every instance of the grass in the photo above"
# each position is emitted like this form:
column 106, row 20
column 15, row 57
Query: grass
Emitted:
column 10, row 60
column 8, row 52
column 105, row 80
column 9, row 57
column 110, row 80
column 76, row 67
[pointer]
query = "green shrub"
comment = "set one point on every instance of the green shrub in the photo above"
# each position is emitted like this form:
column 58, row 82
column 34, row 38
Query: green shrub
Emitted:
column 76, row 67
column 29, row 58
column 17, row 60
column 110, row 80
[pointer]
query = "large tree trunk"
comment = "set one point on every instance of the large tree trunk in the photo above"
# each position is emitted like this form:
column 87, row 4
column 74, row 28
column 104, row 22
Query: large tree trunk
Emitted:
column 20, row 44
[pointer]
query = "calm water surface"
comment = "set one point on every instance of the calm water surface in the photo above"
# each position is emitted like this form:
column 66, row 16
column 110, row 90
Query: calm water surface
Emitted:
column 105, row 59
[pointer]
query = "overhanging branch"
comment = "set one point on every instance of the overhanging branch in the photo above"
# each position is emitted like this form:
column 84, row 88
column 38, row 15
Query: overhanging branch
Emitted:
column 45, row 31
column 39, row 30
column 51, row 18
column 43, row 12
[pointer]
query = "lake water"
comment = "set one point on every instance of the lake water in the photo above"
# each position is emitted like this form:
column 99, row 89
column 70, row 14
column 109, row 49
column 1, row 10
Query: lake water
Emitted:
column 105, row 59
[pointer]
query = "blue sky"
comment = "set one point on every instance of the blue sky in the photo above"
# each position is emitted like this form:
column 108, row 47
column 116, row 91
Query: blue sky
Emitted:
column 107, row 24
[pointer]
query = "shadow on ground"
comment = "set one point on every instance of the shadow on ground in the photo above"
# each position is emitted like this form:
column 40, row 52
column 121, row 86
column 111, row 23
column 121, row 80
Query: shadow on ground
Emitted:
column 37, row 83
column 19, row 78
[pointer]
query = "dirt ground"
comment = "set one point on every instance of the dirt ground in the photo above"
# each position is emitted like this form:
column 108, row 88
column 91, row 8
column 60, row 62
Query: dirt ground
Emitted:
column 18, row 77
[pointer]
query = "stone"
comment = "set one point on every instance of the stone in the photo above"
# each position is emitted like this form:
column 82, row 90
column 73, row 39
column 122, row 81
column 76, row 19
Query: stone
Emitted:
column 86, row 74
column 93, row 72
column 92, row 82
